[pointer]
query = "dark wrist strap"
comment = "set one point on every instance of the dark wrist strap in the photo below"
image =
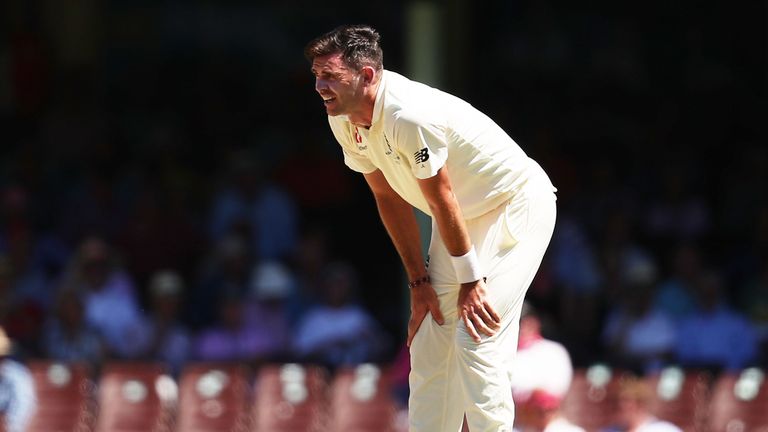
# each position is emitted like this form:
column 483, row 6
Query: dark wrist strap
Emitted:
column 420, row 281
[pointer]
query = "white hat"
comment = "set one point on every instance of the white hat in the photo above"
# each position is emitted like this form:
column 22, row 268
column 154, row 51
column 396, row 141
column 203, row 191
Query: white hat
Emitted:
column 639, row 269
column 165, row 282
column 270, row 280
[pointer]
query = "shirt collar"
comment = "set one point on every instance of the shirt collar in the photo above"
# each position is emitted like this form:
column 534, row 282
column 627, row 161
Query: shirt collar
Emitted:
column 379, row 104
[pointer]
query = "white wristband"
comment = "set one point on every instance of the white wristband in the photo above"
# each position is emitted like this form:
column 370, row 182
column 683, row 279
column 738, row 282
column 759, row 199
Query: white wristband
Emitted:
column 467, row 266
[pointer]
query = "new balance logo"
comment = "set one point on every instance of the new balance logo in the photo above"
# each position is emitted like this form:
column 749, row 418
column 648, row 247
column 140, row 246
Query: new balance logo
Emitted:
column 422, row 155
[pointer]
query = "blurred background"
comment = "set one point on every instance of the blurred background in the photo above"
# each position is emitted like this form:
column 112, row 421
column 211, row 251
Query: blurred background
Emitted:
column 170, row 189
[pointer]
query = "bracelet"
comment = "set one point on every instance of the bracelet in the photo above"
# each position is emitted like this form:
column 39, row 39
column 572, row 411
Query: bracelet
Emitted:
column 467, row 266
column 420, row 281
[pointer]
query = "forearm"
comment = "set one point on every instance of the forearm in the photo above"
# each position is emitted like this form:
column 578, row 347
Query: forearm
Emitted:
column 400, row 222
column 446, row 212
column 453, row 230
column 450, row 223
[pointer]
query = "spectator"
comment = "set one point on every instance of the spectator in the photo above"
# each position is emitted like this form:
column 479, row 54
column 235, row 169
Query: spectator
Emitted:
column 542, row 414
column 34, row 257
column 167, row 339
column 636, row 336
column 675, row 294
column 17, row 390
column 272, row 284
column 338, row 331
column 226, row 274
column 110, row 302
column 252, row 327
column 251, row 205
column 579, row 280
column 540, row 364
column 17, row 243
column 67, row 337
column 715, row 335
column 310, row 261
column 753, row 300
column 541, row 376
column 633, row 410
column 619, row 249
column 21, row 319
column 228, row 339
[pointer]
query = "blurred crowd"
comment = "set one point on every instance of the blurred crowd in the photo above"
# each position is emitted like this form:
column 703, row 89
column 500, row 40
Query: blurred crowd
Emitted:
column 88, row 305
column 169, row 189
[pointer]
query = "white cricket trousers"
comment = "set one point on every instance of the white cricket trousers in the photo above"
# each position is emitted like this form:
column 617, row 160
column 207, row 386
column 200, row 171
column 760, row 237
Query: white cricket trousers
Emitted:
column 451, row 374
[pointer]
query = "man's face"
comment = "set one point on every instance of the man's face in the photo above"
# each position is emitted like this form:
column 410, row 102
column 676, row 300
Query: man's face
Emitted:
column 340, row 87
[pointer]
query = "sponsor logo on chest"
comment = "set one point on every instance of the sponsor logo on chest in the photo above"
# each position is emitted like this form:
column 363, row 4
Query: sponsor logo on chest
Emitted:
column 389, row 152
column 359, row 140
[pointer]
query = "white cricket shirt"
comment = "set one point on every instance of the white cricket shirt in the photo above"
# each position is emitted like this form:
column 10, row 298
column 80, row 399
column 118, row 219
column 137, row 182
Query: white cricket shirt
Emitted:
column 416, row 129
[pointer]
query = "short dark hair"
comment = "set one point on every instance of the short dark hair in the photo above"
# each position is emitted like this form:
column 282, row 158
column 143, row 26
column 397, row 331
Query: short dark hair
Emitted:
column 358, row 45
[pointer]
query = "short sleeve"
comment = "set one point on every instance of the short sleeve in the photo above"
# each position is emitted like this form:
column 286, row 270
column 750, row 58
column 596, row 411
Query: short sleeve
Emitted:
column 424, row 144
column 352, row 159
column 357, row 162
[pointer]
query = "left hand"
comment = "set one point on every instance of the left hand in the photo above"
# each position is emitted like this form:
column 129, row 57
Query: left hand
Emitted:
column 478, row 315
column 423, row 300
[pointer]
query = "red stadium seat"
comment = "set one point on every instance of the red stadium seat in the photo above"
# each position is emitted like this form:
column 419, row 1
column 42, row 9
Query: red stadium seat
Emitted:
column 291, row 398
column 65, row 397
column 591, row 399
column 739, row 402
column 214, row 397
column 680, row 396
column 361, row 400
column 135, row 397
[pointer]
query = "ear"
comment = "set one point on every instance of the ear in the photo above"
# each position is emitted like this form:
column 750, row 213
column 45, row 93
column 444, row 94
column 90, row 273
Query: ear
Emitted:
column 369, row 75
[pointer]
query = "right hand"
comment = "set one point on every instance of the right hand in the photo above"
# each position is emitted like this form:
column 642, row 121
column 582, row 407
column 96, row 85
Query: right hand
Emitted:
column 423, row 300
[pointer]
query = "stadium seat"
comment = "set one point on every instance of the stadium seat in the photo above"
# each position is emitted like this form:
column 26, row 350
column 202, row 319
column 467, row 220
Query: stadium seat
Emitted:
column 65, row 397
column 291, row 398
column 135, row 397
column 361, row 400
column 591, row 399
column 213, row 397
column 680, row 396
column 739, row 402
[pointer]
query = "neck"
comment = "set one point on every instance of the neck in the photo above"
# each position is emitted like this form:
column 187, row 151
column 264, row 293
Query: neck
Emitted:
column 364, row 116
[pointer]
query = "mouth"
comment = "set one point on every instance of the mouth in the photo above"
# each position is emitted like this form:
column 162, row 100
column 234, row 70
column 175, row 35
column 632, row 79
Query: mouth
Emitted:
column 328, row 99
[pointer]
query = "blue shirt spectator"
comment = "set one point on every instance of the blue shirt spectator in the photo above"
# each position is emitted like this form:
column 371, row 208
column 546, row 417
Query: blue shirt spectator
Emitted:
column 17, row 389
column 251, row 204
column 166, row 338
column 635, row 335
column 715, row 335
column 675, row 294
column 338, row 331
column 110, row 300
column 67, row 337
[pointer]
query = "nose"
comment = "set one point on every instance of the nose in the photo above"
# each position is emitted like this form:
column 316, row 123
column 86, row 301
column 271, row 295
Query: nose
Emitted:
column 320, row 84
